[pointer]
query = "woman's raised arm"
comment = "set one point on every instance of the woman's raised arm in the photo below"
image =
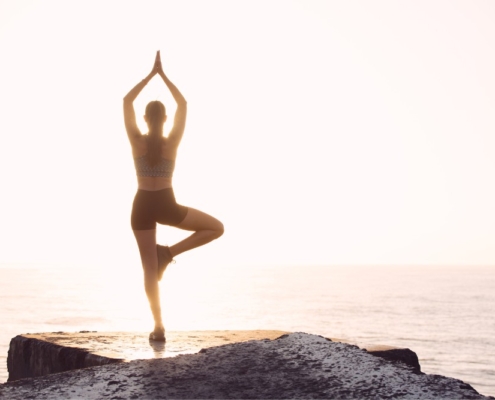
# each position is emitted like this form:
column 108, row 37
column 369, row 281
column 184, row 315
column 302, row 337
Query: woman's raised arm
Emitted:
column 177, row 131
column 131, row 127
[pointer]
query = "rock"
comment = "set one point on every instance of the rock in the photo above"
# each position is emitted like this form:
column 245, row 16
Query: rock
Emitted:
column 33, row 355
column 29, row 356
column 296, row 365
column 395, row 354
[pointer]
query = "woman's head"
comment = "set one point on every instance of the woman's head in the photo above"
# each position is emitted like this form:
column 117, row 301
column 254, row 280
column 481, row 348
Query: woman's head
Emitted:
column 155, row 114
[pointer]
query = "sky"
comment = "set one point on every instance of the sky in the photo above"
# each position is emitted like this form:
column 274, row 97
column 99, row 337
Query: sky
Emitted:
column 319, row 132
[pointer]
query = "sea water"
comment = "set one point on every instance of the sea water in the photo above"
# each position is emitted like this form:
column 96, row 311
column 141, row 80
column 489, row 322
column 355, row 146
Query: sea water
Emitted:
column 445, row 314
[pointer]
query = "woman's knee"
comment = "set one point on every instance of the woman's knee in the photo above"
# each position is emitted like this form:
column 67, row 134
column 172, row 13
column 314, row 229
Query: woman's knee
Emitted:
column 219, row 229
column 150, row 269
column 151, row 284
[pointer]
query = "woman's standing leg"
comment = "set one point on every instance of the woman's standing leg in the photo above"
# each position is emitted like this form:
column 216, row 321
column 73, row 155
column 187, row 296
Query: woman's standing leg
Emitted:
column 146, row 240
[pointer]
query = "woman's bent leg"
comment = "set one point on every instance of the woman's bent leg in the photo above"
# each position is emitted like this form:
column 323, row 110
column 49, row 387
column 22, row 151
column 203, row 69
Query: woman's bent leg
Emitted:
column 146, row 240
column 207, row 229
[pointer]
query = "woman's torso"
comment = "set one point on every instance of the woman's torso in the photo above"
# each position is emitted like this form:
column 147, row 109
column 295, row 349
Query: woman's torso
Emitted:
column 168, row 155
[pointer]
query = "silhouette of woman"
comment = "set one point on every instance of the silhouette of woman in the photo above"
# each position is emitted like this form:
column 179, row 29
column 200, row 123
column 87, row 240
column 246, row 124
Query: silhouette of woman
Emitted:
column 154, row 159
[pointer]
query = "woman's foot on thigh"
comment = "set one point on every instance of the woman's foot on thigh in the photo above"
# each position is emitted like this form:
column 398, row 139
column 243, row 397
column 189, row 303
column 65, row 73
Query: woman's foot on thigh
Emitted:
column 164, row 259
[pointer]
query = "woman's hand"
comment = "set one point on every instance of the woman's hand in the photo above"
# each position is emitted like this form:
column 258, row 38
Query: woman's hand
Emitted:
column 157, row 67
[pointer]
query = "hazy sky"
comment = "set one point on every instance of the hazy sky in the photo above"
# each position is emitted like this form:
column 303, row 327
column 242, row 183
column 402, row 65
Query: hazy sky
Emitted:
column 319, row 132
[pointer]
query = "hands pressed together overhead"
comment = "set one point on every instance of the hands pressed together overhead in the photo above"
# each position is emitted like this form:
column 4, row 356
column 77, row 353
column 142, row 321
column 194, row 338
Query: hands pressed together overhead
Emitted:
column 157, row 70
column 157, row 67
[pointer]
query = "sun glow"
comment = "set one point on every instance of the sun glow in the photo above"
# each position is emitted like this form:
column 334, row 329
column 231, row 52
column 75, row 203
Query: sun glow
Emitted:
column 317, row 138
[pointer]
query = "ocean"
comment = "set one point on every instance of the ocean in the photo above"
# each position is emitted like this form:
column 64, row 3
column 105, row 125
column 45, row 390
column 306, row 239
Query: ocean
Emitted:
column 445, row 314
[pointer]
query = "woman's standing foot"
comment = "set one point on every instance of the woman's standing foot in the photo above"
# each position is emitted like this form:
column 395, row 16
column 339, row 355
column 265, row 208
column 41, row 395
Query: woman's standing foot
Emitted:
column 158, row 334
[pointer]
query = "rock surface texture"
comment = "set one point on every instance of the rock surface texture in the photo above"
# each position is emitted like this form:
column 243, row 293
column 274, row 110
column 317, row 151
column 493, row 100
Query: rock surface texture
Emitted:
column 33, row 355
column 296, row 365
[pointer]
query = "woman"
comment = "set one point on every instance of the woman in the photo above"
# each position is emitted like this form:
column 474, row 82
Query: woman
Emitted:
column 154, row 158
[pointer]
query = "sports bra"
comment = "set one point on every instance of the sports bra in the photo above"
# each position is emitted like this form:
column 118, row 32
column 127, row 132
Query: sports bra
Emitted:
column 164, row 169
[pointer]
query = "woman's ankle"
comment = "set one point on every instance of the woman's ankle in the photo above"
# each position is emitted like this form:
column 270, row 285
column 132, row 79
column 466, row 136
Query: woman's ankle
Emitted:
column 159, row 327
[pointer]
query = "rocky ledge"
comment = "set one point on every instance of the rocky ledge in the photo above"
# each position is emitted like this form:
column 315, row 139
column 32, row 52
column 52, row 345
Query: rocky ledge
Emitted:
column 296, row 365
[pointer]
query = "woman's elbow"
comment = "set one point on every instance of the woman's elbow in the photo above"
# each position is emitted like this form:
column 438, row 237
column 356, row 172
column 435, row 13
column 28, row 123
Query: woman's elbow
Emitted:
column 220, row 230
column 129, row 98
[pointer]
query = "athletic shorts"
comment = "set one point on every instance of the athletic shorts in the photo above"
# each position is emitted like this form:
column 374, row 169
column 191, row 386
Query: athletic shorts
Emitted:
column 152, row 207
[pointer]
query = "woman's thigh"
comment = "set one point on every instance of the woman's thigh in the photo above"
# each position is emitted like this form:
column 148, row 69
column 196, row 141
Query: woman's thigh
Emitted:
column 196, row 220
